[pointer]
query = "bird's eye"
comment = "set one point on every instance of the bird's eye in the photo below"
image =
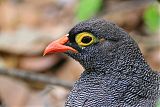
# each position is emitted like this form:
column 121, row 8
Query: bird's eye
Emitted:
column 85, row 39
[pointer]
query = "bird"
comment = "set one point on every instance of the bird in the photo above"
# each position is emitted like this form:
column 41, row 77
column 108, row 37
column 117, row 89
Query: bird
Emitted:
column 115, row 71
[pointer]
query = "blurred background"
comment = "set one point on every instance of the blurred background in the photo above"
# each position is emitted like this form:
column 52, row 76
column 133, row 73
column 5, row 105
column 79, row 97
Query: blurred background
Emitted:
column 27, row 79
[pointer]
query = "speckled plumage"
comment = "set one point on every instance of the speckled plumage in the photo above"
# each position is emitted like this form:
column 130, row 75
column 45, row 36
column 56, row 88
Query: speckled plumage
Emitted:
column 116, row 74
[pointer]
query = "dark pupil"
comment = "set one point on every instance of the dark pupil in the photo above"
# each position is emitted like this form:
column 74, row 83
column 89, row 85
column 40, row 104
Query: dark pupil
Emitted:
column 86, row 39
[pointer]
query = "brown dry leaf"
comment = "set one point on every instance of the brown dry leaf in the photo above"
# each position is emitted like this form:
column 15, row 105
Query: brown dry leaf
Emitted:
column 10, row 61
column 49, row 97
column 29, row 15
column 129, row 22
column 38, row 64
column 8, row 16
column 2, row 62
column 58, row 96
column 13, row 93
column 153, row 58
column 70, row 71
column 24, row 41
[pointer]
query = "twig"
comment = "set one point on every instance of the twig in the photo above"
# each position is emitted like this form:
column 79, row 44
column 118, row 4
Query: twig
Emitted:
column 35, row 77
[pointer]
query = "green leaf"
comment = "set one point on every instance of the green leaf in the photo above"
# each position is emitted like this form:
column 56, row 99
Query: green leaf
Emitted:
column 152, row 17
column 158, row 103
column 88, row 8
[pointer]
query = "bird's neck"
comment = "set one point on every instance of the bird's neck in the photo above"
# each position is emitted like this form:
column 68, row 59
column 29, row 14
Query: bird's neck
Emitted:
column 127, row 74
column 122, row 83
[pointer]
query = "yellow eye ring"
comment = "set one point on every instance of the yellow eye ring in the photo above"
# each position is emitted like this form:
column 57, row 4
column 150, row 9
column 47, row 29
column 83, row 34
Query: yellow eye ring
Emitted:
column 85, row 39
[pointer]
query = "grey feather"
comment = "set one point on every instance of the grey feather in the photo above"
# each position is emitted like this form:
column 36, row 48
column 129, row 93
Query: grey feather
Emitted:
column 116, row 74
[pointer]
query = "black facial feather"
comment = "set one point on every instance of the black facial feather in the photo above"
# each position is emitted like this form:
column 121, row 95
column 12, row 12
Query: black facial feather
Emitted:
column 116, row 74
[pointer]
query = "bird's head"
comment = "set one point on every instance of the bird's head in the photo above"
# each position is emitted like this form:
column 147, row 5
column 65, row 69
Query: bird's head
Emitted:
column 90, row 41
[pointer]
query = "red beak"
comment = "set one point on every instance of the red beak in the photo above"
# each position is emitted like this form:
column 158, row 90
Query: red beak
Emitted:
column 58, row 46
